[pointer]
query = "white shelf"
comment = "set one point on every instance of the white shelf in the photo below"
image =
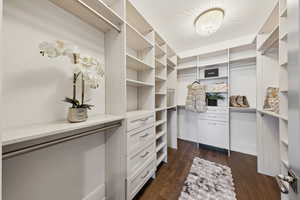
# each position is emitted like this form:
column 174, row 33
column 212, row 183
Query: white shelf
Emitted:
column 160, row 134
column 136, row 40
column 23, row 134
column 93, row 12
column 160, row 109
column 159, row 40
column 161, row 158
column 285, row 142
column 272, row 114
column 285, row 163
column 159, row 64
column 245, row 59
column 171, row 63
column 283, row 36
column 160, row 93
column 270, row 40
column 136, row 83
column 285, row 91
column 212, row 78
column 183, row 67
column 159, row 52
column 160, row 122
column 243, row 110
column 160, row 146
column 134, row 17
column 213, row 64
column 137, row 64
column 283, row 13
column 160, row 78
column 171, row 107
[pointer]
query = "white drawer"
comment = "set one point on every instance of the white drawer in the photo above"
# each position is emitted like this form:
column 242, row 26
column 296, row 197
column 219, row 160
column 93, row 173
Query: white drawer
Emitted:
column 217, row 110
column 139, row 139
column 139, row 121
column 214, row 133
column 217, row 117
column 135, row 183
column 138, row 160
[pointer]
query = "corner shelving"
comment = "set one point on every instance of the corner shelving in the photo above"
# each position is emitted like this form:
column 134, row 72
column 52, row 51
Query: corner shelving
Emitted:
column 270, row 40
column 93, row 12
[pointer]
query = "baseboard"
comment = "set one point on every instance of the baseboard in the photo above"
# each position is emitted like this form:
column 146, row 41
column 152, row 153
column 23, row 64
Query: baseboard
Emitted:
column 213, row 148
column 98, row 193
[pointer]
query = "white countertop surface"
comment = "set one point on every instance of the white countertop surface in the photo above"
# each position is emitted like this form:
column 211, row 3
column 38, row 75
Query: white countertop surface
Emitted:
column 21, row 134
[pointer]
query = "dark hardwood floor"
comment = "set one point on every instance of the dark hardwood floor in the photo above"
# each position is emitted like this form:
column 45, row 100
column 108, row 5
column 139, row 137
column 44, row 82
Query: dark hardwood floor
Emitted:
column 249, row 184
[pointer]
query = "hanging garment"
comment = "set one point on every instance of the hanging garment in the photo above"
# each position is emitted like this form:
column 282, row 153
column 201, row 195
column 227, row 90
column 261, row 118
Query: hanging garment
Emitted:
column 272, row 100
column 196, row 98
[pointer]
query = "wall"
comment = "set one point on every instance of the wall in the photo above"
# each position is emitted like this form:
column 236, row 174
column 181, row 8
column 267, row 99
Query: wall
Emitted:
column 33, row 90
column 35, row 85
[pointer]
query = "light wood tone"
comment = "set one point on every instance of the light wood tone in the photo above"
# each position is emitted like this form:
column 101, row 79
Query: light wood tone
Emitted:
column 93, row 12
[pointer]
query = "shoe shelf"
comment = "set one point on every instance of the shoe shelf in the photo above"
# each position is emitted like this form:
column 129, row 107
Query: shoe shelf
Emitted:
column 160, row 157
column 159, row 134
column 243, row 110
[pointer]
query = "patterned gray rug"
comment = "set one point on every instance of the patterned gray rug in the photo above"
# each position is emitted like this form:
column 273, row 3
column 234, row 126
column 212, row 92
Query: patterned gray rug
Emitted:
column 208, row 181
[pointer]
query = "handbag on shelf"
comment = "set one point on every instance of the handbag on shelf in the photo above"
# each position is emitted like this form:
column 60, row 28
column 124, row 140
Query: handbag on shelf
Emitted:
column 272, row 100
column 196, row 98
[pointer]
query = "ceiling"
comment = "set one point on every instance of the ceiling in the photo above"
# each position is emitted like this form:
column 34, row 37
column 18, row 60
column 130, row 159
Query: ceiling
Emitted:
column 173, row 19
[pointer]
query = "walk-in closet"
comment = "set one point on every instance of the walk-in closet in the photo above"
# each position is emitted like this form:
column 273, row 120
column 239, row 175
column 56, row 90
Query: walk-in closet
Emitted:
column 150, row 100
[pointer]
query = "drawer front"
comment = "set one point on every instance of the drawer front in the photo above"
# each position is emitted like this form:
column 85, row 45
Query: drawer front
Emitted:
column 217, row 110
column 137, row 161
column 214, row 133
column 216, row 117
column 135, row 183
column 139, row 139
column 139, row 121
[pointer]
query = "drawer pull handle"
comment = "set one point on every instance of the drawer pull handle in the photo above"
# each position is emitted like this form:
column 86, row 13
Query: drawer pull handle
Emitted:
column 146, row 154
column 143, row 136
column 145, row 175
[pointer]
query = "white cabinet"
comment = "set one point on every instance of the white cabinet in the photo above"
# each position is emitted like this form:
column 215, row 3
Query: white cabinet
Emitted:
column 213, row 133
column 141, row 151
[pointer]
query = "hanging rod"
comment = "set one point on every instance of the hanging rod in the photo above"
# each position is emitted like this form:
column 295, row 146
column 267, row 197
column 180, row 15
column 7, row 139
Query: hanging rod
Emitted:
column 53, row 142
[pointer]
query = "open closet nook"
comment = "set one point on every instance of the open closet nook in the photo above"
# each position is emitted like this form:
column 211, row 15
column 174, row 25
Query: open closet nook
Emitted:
column 150, row 100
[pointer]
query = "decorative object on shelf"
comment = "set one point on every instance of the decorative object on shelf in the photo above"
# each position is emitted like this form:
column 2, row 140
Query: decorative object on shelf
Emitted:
column 212, row 99
column 209, row 73
column 86, row 69
column 209, row 21
column 272, row 100
column 219, row 87
column 239, row 101
column 196, row 97
column 208, row 180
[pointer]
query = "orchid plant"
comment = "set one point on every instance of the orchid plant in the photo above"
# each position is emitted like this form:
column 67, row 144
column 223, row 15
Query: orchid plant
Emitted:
column 90, row 69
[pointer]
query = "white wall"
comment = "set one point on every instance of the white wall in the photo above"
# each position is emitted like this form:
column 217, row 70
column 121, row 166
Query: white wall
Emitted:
column 34, row 85
column 33, row 90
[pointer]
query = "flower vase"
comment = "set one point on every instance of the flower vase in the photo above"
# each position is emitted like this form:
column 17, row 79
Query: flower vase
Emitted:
column 76, row 115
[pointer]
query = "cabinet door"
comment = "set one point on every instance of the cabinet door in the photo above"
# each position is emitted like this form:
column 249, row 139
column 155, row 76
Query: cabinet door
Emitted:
column 214, row 133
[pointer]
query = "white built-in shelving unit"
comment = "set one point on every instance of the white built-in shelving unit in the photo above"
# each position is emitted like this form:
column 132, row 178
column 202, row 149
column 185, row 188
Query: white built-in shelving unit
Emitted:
column 237, row 69
column 140, row 67
column 273, row 72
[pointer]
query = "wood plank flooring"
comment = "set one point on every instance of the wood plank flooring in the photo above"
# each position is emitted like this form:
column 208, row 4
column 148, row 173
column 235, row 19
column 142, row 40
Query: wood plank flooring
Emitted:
column 249, row 184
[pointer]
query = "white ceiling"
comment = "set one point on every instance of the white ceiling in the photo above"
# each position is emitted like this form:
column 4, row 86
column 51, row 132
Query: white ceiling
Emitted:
column 173, row 19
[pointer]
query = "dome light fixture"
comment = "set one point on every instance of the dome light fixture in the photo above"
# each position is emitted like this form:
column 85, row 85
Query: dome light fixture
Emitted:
column 209, row 21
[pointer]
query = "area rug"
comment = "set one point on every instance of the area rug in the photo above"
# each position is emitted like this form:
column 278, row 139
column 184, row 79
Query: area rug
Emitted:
column 208, row 181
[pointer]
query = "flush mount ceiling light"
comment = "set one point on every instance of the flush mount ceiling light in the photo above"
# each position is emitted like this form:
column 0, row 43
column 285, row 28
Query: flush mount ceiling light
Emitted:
column 209, row 21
